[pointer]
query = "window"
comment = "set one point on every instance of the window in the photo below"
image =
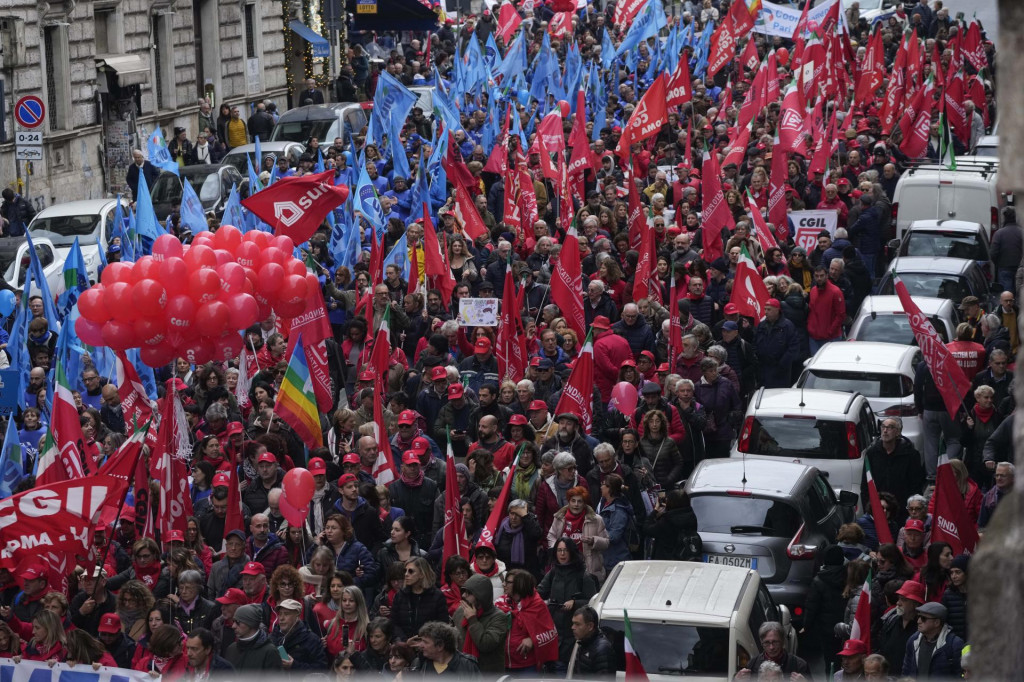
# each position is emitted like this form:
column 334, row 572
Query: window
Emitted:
column 163, row 62
column 798, row 437
column 728, row 514
column 158, row 63
column 250, row 31
column 58, row 79
column 871, row 384
column 109, row 34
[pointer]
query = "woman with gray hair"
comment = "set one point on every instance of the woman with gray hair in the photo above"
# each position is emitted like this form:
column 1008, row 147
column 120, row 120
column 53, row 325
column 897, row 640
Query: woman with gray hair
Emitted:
column 191, row 609
column 552, row 492
column 517, row 538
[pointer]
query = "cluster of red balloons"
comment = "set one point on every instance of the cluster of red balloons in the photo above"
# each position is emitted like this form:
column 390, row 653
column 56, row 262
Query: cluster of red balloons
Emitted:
column 192, row 301
column 297, row 489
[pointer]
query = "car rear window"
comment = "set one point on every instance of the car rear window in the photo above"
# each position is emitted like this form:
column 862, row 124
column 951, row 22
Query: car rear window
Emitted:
column 302, row 131
column 798, row 437
column 949, row 287
column 722, row 512
column 672, row 649
column 62, row 230
column 945, row 244
column 870, row 384
column 894, row 328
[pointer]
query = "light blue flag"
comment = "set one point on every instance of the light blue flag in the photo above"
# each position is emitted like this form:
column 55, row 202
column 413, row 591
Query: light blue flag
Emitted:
column 607, row 50
column 491, row 53
column 233, row 211
column 392, row 98
column 70, row 349
column 399, row 159
column 444, row 110
column 318, row 167
column 259, row 153
column 367, row 205
column 192, row 215
column 156, row 149
column 144, row 371
column 514, row 62
column 76, row 279
column 435, row 172
column 146, row 225
column 36, row 270
column 647, row 23
column 12, row 465
column 399, row 257
column 254, row 179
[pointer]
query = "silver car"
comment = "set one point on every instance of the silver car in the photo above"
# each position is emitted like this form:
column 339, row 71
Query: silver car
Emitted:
column 772, row 516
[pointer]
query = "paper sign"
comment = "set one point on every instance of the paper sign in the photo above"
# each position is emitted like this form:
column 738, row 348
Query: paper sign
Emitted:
column 478, row 312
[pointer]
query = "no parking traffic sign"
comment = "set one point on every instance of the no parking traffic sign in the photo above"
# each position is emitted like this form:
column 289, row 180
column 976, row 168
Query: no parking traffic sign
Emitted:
column 30, row 112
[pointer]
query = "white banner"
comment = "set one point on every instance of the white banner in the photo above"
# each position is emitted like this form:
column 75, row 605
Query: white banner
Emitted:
column 807, row 225
column 781, row 20
column 478, row 312
column 39, row 671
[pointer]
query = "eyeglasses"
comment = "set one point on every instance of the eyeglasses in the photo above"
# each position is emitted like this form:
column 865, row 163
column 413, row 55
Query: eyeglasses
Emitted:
column 410, row 571
column 144, row 557
column 915, row 508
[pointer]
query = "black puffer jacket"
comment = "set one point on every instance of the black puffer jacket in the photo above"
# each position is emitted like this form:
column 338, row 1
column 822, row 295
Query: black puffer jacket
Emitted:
column 596, row 659
column 302, row 645
column 562, row 583
column 955, row 602
column 669, row 530
column 900, row 473
column 826, row 605
column 411, row 610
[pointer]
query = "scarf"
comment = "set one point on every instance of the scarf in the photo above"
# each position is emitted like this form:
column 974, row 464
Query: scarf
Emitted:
column 573, row 528
column 517, row 553
column 469, row 646
column 521, row 482
column 561, row 490
column 318, row 510
column 249, row 470
column 984, row 415
column 533, row 615
column 489, row 574
column 148, row 574
column 413, row 482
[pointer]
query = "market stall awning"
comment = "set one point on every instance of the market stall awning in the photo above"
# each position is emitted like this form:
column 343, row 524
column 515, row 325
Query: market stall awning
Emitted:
column 321, row 47
column 131, row 69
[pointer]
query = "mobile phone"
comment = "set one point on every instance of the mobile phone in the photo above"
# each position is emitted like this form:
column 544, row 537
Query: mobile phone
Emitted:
column 344, row 635
column 284, row 654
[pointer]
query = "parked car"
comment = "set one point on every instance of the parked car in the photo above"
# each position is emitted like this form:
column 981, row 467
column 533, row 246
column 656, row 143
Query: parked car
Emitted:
column 829, row 430
column 237, row 156
column 881, row 372
column 212, row 185
column 687, row 619
column 946, row 239
column 15, row 259
column 324, row 122
column 882, row 318
column 774, row 517
column 91, row 221
column 949, row 278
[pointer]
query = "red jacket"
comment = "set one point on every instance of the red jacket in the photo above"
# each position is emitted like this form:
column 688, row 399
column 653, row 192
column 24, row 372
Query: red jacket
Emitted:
column 837, row 205
column 610, row 352
column 827, row 312
column 969, row 355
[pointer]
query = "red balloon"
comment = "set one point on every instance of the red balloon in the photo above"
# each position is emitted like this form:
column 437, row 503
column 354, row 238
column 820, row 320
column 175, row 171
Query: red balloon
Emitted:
column 199, row 256
column 294, row 289
column 203, row 239
column 270, row 279
column 289, row 308
column 198, row 351
column 174, row 276
column 91, row 305
column 296, row 516
column 181, row 313
column 117, row 297
column 145, row 268
column 782, row 56
column 232, row 277
column 285, row 243
column 243, row 311
column 227, row 347
column 624, row 398
column 298, row 486
column 227, row 237
column 116, row 272
column 293, row 266
column 211, row 318
column 272, row 254
column 223, row 256
column 563, row 108
column 118, row 334
column 159, row 355
column 204, row 285
column 247, row 254
column 89, row 331
column 152, row 331
column 149, row 297
column 166, row 246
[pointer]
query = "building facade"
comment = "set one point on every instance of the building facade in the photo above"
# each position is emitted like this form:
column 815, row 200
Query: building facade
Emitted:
column 109, row 71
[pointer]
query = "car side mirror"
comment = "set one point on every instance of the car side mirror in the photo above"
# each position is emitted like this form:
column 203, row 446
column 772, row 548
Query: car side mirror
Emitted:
column 786, row 617
column 848, row 498
column 893, row 244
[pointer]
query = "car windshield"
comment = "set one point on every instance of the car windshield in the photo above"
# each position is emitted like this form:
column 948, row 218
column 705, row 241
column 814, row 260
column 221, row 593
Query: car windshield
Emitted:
column 167, row 188
column 720, row 513
column 870, row 384
column 798, row 437
column 8, row 264
column 895, row 328
column 302, row 131
column 944, row 244
column 949, row 287
column 988, row 152
column 62, row 230
column 671, row 649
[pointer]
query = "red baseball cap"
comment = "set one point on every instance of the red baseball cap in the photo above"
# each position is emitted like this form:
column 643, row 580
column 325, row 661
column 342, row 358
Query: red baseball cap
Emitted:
column 629, row 362
column 456, row 391
column 517, row 420
column 233, row 596
column 535, row 361
column 420, row 444
column 601, row 322
column 914, row 524
column 407, row 417
column 647, row 354
column 32, row 573
column 267, row 457
column 317, row 466
column 853, row 647
column 233, row 428
column 221, row 480
column 174, row 536
column 482, row 345
column 254, row 568
column 773, row 302
column 351, row 458
column 346, row 479
column 366, row 375
column 110, row 623
column 537, row 405
column 663, row 367
column 438, row 373
column 731, row 309
column 410, row 457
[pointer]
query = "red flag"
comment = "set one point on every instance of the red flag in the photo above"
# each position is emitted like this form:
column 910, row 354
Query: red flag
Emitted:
column 454, row 167
column 874, row 70
column 953, row 99
column 791, row 122
column 60, row 455
column 415, row 274
column 635, row 217
column 510, row 351
column 715, row 214
column 753, row 102
column 723, row 47
column 548, row 167
column 892, row 106
column 376, row 260
column 560, row 24
column 772, row 90
column 749, row 60
column 973, row 50
column 467, row 215
column 508, row 21
column 861, row 626
column 625, row 11
column 679, row 89
column 169, row 462
column 439, row 274
column 500, row 509
column 380, row 359
column 497, row 161
column 567, row 283
column 550, row 131
column 234, row 519
column 777, row 208
column 950, row 521
column 297, row 206
column 749, row 293
column 455, row 541
column 915, row 143
column 578, row 395
column 882, row 531
column 764, row 236
column 647, row 118
column 741, row 19
column 948, row 376
column 645, row 266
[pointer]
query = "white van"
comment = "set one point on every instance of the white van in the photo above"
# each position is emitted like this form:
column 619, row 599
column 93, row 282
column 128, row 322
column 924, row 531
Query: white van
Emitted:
column 688, row 619
column 931, row 192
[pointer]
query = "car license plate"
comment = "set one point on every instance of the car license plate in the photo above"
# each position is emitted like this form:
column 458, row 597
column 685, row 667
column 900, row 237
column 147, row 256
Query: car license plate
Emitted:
column 729, row 560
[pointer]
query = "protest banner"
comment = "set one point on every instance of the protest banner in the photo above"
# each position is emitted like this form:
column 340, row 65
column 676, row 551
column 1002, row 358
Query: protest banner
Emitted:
column 807, row 225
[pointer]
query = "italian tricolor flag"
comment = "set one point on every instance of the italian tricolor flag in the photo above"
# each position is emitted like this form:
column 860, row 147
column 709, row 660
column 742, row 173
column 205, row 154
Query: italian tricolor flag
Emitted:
column 634, row 668
column 877, row 513
column 862, row 618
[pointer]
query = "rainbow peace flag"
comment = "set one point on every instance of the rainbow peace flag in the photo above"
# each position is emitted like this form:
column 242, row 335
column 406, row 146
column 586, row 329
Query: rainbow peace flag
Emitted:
column 296, row 402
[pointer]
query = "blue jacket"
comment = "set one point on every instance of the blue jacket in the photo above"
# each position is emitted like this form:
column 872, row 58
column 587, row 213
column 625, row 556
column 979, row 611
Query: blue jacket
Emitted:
column 639, row 335
column 778, row 347
column 618, row 519
column 945, row 661
column 868, row 231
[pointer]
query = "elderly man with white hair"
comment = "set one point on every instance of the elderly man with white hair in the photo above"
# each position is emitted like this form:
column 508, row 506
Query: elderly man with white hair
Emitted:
column 598, row 302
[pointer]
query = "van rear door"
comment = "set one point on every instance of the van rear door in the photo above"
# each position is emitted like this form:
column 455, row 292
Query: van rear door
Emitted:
column 971, row 198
